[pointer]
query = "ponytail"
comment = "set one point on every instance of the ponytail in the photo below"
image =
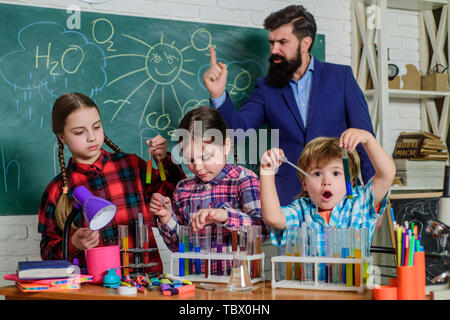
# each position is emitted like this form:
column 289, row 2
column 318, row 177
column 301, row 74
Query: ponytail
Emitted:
column 64, row 204
column 112, row 145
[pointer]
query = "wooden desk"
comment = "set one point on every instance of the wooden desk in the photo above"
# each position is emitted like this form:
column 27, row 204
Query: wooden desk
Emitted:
column 262, row 291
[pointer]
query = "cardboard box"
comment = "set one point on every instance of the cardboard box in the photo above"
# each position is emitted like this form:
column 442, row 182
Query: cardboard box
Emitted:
column 435, row 82
column 394, row 83
column 406, row 81
column 411, row 80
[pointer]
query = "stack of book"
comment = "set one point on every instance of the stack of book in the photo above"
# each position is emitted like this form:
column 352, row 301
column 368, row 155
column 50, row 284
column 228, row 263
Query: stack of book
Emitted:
column 421, row 174
column 49, row 275
column 420, row 145
column 420, row 159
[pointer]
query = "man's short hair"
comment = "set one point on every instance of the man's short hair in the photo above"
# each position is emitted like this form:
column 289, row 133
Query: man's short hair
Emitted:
column 302, row 21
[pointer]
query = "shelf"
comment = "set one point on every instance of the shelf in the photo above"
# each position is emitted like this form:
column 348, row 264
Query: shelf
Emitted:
column 397, row 187
column 415, row 193
column 412, row 5
column 410, row 94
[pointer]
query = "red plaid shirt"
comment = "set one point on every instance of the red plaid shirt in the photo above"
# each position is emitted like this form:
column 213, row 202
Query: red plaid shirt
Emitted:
column 119, row 178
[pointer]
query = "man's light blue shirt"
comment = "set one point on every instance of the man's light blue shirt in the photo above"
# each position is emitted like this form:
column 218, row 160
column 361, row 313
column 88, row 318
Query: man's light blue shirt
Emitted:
column 301, row 89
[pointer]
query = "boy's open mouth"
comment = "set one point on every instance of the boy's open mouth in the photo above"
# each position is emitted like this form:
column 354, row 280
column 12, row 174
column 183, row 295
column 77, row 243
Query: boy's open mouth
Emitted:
column 327, row 195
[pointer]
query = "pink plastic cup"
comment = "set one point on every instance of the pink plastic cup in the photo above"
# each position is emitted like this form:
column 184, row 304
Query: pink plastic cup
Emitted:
column 100, row 259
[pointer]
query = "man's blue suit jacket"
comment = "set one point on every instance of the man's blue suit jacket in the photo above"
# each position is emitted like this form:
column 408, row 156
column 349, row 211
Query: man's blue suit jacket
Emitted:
column 336, row 104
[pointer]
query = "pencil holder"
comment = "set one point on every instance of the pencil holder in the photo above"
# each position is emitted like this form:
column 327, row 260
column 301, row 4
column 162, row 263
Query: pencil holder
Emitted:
column 419, row 272
column 384, row 293
column 100, row 259
column 406, row 283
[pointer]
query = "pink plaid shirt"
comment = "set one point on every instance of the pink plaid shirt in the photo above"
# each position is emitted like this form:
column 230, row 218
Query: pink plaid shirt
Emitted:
column 235, row 189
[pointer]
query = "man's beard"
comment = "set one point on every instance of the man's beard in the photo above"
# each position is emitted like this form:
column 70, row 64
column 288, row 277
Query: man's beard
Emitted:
column 279, row 74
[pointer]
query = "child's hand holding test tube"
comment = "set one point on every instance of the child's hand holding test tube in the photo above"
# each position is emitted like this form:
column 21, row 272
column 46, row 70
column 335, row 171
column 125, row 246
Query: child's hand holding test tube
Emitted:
column 158, row 149
column 161, row 207
column 348, row 142
column 272, row 159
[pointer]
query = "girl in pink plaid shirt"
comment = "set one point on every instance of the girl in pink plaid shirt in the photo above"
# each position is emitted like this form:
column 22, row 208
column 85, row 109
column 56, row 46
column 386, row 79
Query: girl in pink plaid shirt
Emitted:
column 219, row 194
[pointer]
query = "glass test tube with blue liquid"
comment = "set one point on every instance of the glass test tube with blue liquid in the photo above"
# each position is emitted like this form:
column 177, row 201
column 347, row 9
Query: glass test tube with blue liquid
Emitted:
column 348, row 180
column 181, row 265
column 198, row 265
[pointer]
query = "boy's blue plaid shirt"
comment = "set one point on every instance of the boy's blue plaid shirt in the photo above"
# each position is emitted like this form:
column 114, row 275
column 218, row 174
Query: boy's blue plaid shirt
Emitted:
column 356, row 213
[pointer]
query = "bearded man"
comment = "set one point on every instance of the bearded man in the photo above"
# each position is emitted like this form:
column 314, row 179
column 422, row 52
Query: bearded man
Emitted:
column 301, row 96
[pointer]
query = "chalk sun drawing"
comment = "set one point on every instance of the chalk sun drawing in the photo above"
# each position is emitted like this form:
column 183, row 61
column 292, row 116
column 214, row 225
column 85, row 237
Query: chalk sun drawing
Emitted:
column 165, row 66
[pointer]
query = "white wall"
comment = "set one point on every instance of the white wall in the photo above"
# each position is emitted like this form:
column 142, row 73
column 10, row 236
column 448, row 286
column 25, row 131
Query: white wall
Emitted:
column 19, row 239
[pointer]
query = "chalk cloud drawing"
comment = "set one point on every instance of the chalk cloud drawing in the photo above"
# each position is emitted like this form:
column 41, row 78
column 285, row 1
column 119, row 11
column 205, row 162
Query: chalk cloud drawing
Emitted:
column 56, row 61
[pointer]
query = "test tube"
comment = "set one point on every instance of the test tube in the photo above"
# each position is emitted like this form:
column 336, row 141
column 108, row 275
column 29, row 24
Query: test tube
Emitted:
column 365, row 252
column 219, row 243
column 206, row 247
column 328, row 253
column 140, row 237
column 181, row 230
column 344, row 254
column 234, row 240
column 348, row 180
column 242, row 239
column 349, row 266
column 198, row 266
column 320, row 252
column 162, row 173
column 289, row 251
column 257, row 249
column 145, row 244
column 137, row 241
column 187, row 262
column 311, row 252
column 148, row 175
column 250, row 250
column 336, row 254
column 357, row 255
column 191, row 249
column 296, row 252
column 303, row 250
column 123, row 244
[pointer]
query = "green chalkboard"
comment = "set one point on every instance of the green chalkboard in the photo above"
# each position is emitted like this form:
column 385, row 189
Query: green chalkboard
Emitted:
column 144, row 74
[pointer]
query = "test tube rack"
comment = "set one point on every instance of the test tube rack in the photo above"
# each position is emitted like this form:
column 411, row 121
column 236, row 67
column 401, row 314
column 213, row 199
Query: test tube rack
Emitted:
column 211, row 257
column 139, row 265
column 316, row 285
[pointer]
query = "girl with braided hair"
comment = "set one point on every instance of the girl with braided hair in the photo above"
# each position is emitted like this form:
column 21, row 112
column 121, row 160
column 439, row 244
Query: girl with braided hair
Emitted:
column 118, row 177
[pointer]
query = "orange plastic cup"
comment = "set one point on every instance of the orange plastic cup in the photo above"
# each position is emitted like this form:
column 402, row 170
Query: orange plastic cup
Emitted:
column 406, row 280
column 385, row 293
column 419, row 272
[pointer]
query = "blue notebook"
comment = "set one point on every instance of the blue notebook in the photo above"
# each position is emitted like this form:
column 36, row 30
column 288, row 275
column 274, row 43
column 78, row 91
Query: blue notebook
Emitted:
column 46, row 269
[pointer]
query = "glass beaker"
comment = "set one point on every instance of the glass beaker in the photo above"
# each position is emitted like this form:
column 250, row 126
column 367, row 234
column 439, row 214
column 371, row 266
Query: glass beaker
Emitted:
column 239, row 278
